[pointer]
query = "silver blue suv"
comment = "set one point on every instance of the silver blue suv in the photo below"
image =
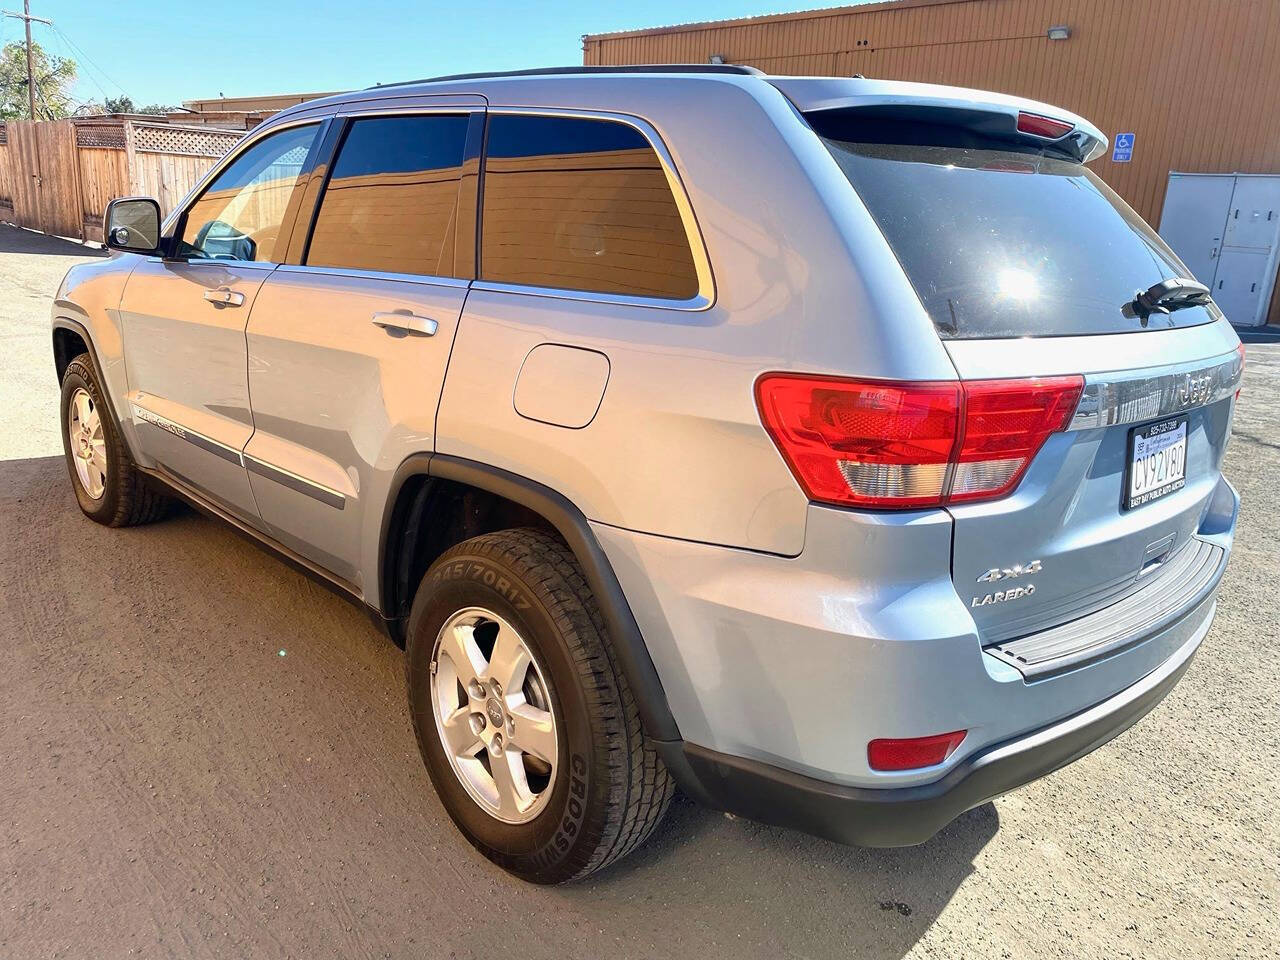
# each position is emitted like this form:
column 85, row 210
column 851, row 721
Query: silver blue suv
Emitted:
column 842, row 451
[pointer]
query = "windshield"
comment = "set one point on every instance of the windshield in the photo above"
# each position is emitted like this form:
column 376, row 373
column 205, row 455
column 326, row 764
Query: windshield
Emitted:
column 1005, row 243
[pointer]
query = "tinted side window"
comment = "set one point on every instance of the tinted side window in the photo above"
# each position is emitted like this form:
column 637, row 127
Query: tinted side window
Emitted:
column 239, row 215
column 392, row 201
column 582, row 205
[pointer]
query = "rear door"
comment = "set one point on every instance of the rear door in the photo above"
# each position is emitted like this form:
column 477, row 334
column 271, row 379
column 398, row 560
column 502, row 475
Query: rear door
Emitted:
column 184, row 318
column 1029, row 266
column 348, row 344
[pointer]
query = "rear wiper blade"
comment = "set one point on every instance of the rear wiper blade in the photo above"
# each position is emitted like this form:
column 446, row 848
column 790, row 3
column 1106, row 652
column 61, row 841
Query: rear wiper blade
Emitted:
column 1167, row 296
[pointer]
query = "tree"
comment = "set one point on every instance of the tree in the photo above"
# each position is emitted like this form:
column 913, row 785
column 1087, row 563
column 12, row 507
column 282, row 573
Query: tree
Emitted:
column 124, row 104
column 54, row 78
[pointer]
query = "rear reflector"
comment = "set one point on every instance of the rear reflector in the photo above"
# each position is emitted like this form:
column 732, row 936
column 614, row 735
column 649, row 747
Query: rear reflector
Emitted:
column 914, row 753
column 873, row 443
column 1046, row 127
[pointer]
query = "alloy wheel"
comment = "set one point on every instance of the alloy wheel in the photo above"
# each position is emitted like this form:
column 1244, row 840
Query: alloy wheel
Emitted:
column 88, row 445
column 494, row 715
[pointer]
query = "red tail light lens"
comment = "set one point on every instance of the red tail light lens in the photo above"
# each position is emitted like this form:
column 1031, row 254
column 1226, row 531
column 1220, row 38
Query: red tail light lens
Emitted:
column 1046, row 127
column 1006, row 422
column 914, row 753
column 878, row 444
column 870, row 443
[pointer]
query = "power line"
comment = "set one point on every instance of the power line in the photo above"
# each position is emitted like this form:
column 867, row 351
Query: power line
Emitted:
column 89, row 60
column 66, row 48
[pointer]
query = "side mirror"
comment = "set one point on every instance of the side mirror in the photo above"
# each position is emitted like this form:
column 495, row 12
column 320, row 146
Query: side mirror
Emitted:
column 132, row 224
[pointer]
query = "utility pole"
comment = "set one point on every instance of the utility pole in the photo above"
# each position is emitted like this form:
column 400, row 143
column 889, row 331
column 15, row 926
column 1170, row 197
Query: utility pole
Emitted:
column 26, row 17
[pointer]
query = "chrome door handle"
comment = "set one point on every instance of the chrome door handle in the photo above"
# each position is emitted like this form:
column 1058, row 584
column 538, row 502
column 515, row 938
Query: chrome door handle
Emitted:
column 408, row 322
column 223, row 297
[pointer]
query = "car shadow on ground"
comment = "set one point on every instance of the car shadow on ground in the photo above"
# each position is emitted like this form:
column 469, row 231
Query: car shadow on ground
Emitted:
column 176, row 634
column 793, row 893
column 17, row 240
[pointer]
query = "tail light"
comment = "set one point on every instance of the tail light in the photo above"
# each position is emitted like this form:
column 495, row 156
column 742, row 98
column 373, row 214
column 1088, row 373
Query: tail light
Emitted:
column 871, row 443
column 914, row 753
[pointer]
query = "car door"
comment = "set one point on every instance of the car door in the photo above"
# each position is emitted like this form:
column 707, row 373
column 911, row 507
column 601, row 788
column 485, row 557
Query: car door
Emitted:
column 348, row 344
column 184, row 317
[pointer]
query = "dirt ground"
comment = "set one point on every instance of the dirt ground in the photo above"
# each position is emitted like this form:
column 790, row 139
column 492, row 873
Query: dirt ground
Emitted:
column 203, row 754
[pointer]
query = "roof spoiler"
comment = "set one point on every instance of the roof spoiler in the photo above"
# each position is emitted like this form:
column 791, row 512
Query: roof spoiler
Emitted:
column 986, row 117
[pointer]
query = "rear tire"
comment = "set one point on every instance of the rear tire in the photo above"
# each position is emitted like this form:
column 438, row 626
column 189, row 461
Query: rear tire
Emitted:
column 108, row 485
column 607, row 788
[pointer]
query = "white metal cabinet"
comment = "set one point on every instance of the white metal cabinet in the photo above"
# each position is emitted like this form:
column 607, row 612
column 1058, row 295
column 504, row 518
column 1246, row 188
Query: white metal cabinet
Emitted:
column 1226, row 228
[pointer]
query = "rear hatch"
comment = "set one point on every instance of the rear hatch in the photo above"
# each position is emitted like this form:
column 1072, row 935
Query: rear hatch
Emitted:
column 1030, row 266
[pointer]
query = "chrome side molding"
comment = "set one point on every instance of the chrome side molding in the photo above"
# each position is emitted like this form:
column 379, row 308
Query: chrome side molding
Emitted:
column 302, row 485
column 310, row 488
column 1148, row 395
column 209, row 445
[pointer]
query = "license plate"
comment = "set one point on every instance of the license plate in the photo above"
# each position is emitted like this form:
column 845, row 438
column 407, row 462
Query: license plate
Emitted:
column 1157, row 462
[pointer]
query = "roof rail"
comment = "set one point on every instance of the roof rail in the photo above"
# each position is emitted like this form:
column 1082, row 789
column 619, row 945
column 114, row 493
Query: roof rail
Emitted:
column 731, row 68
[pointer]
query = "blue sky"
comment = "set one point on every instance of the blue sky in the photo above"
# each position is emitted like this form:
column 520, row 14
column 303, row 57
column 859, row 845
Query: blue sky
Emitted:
column 170, row 52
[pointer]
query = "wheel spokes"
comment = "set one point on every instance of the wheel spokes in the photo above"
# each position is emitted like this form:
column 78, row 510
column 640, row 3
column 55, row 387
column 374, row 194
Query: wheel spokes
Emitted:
column 459, row 734
column 509, row 661
column 83, row 408
column 459, row 645
column 514, row 796
column 534, row 731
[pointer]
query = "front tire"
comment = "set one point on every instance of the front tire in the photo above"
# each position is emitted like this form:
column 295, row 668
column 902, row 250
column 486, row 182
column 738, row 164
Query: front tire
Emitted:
column 548, row 773
column 108, row 485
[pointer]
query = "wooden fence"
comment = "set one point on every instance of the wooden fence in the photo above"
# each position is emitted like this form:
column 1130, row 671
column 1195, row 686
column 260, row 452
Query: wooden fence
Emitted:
column 58, row 176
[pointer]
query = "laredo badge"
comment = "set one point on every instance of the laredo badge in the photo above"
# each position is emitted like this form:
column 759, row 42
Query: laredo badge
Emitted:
column 996, row 574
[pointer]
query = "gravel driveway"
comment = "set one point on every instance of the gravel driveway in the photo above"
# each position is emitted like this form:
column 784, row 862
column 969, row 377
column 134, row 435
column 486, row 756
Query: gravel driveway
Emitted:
column 203, row 754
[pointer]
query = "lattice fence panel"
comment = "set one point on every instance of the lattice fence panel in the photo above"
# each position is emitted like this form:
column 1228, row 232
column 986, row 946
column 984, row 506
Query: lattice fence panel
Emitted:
column 110, row 135
column 4, row 132
column 184, row 141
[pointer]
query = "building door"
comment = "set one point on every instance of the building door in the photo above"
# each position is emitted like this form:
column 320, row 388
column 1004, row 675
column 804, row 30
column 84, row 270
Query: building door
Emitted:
column 1226, row 228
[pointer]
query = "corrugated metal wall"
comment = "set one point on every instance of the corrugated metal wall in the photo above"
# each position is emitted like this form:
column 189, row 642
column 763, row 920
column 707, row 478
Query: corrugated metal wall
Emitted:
column 1198, row 81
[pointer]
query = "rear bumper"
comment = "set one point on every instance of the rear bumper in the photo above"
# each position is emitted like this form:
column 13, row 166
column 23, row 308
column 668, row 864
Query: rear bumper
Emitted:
column 797, row 663
column 780, row 670
column 903, row 816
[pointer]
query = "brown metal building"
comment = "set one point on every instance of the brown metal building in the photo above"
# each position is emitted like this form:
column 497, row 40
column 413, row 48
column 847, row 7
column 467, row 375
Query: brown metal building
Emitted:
column 1197, row 82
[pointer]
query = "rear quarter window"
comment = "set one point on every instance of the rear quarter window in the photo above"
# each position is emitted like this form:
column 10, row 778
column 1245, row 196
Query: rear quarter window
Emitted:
column 1003, row 243
column 581, row 204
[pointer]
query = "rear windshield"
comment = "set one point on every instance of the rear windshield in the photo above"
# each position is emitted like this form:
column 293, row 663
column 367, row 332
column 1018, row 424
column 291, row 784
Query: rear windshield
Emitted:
column 1004, row 243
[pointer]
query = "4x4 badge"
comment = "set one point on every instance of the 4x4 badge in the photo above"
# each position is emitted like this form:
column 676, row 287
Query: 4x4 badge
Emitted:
column 1010, row 573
